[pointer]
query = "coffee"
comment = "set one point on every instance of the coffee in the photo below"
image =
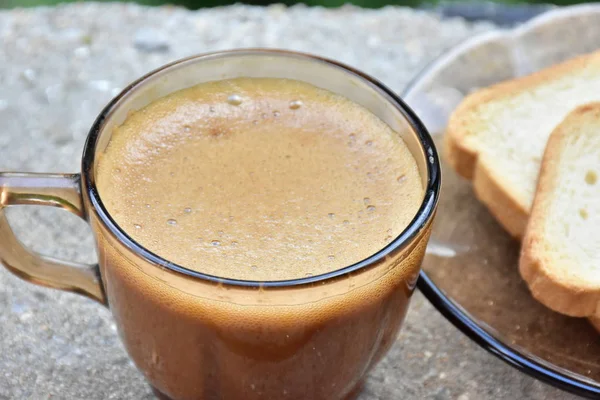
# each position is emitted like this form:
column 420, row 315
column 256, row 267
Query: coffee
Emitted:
column 259, row 179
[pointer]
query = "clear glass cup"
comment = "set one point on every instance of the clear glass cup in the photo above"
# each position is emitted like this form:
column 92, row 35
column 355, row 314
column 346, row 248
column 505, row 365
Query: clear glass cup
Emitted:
column 197, row 336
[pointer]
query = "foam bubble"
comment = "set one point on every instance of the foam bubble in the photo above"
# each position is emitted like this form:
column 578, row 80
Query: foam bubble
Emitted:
column 234, row 99
column 295, row 104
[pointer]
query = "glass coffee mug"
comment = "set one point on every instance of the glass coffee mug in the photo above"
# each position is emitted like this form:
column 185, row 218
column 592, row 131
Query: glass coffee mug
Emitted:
column 197, row 336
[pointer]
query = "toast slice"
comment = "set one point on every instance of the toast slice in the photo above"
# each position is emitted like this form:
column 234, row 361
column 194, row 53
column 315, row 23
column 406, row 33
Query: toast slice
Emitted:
column 497, row 136
column 560, row 256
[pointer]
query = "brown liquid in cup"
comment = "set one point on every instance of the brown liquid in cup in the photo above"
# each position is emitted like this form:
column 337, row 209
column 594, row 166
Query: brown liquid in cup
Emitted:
column 264, row 180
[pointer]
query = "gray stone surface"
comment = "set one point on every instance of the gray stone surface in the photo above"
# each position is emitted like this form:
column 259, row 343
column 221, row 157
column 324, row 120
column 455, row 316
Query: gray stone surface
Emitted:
column 59, row 66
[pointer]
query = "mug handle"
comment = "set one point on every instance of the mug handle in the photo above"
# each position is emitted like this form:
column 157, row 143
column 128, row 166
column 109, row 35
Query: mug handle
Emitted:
column 55, row 190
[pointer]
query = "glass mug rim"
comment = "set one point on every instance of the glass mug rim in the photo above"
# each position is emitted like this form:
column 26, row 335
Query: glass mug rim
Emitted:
column 421, row 219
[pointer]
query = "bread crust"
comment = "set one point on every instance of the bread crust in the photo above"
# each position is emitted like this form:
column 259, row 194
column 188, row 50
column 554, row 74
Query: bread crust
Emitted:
column 463, row 155
column 502, row 205
column 548, row 282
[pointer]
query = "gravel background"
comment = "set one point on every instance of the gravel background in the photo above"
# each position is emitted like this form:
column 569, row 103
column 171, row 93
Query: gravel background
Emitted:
column 59, row 66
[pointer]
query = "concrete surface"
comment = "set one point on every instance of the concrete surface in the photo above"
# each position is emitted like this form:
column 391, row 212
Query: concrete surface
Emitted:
column 59, row 66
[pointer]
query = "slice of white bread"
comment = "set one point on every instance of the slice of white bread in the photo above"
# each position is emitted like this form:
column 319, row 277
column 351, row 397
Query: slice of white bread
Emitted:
column 497, row 135
column 560, row 256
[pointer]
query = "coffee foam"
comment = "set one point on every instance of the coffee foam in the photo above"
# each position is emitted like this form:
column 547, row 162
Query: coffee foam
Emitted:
column 259, row 179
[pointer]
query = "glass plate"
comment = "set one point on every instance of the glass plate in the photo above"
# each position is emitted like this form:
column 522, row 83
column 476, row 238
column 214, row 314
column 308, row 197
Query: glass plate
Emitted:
column 471, row 272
